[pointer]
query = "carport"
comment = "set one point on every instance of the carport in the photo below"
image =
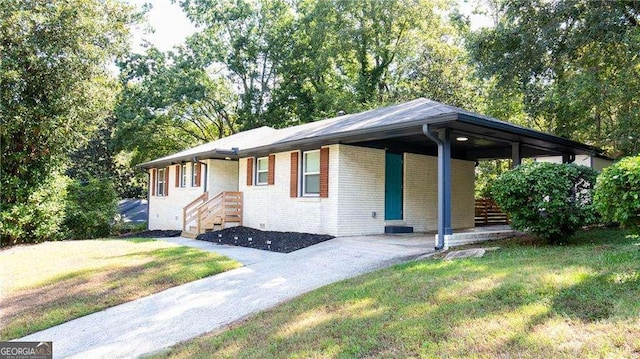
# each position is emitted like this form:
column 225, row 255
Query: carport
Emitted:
column 428, row 127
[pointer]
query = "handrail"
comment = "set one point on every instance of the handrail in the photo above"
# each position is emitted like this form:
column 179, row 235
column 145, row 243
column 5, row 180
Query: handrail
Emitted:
column 224, row 207
column 187, row 211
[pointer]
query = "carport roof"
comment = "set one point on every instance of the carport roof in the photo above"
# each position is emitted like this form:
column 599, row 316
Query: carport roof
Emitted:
column 399, row 127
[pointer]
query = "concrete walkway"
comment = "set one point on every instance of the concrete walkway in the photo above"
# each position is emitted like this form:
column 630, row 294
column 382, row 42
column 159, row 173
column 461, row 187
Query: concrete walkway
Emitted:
column 161, row 320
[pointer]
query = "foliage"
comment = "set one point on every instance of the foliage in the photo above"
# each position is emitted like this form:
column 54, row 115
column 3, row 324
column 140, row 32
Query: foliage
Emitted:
column 572, row 66
column 39, row 218
column 54, row 93
column 91, row 208
column 486, row 173
column 617, row 193
column 299, row 62
column 172, row 102
column 548, row 199
column 525, row 300
column 121, row 227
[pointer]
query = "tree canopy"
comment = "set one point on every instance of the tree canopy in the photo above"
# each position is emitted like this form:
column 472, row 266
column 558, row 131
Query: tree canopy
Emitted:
column 573, row 65
column 55, row 92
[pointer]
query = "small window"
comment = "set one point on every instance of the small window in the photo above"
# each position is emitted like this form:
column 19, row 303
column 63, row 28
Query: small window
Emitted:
column 183, row 177
column 160, row 182
column 311, row 173
column 262, row 171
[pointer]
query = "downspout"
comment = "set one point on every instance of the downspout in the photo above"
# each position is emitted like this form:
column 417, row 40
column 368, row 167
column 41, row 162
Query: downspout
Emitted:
column 148, row 197
column 206, row 178
column 444, row 186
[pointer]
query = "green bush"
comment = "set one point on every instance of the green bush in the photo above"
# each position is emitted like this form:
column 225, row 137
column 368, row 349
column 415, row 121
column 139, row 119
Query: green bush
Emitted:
column 39, row 218
column 617, row 194
column 91, row 208
column 547, row 199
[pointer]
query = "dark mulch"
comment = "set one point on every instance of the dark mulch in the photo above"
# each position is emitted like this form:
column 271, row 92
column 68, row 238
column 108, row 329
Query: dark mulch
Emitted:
column 156, row 233
column 283, row 242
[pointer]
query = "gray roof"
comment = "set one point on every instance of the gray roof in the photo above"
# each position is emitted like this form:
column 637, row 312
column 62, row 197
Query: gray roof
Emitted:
column 405, row 119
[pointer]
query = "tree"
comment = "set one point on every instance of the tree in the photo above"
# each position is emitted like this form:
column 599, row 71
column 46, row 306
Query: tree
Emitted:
column 53, row 67
column 170, row 100
column 299, row 61
column 572, row 63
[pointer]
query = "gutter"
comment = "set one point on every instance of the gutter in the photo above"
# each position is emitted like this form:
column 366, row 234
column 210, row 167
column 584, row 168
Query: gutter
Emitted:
column 283, row 144
column 148, row 197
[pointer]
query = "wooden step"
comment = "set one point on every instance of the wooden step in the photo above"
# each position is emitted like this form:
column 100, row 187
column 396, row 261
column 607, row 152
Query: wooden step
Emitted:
column 191, row 235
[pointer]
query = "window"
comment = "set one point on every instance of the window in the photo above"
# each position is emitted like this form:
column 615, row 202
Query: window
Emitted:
column 183, row 177
column 262, row 170
column 311, row 173
column 161, row 182
column 195, row 181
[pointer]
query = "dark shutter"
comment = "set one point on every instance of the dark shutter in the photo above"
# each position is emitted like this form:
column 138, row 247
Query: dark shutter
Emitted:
column 166, row 181
column 293, row 189
column 153, row 182
column 271, row 175
column 324, row 172
column 198, row 169
column 250, row 171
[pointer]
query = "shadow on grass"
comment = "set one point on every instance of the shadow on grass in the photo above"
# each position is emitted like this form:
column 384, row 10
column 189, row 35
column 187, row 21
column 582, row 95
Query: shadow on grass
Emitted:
column 82, row 292
column 489, row 307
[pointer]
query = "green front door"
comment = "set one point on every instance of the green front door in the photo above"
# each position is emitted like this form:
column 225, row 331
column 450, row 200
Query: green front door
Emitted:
column 393, row 186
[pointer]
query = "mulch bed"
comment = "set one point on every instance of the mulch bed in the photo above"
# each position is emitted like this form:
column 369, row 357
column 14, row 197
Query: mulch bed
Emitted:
column 156, row 233
column 283, row 242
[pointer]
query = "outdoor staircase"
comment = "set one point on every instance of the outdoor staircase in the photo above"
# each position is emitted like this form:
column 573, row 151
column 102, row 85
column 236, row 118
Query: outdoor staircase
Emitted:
column 207, row 214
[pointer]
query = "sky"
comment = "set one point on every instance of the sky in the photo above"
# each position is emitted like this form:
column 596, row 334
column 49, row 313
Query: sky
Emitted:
column 170, row 23
column 172, row 26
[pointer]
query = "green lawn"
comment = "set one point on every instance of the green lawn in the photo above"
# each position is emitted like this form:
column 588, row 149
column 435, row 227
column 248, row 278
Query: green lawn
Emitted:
column 525, row 300
column 50, row 283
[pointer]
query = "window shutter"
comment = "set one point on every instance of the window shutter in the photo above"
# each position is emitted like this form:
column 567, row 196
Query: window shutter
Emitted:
column 250, row 171
column 153, row 182
column 271, row 174
column 166, row 181
column 294, row 175
column 324, row 172
column 198, row 170
column 177, row 176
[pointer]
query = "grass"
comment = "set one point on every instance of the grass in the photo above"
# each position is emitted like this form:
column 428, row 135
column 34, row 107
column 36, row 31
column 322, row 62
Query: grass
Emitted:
column 50, row 283
column 525, row 300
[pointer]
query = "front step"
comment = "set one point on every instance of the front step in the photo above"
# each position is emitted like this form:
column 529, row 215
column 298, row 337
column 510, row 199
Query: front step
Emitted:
column 398, row 229
column 191, row 235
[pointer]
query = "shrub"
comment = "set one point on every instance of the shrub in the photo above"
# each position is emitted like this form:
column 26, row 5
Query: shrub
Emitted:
column 91, row 208
column 39, row 218
column 617, row 194
column 550, row 200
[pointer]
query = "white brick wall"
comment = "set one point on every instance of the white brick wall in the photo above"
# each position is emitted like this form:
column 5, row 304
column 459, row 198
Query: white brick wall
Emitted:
column 166, row 212
column 222, row 176
column 356, row 189
column 360, row 190
column 596, row 163
column 421, row 193
column 271, row 207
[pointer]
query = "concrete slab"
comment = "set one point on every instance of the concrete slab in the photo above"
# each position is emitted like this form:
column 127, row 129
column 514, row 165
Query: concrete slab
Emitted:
column 467, row 253
column 161, row 320
column 243, row 255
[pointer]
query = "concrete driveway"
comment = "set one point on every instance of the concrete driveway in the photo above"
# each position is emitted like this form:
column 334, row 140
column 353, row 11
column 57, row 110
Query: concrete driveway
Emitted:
column 161, row 320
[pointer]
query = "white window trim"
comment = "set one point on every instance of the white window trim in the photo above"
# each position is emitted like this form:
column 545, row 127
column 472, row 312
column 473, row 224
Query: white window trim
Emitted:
column 161, row 180
column 183, row 175
column 193, row 174
column 303, row 175
column 258, row 171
